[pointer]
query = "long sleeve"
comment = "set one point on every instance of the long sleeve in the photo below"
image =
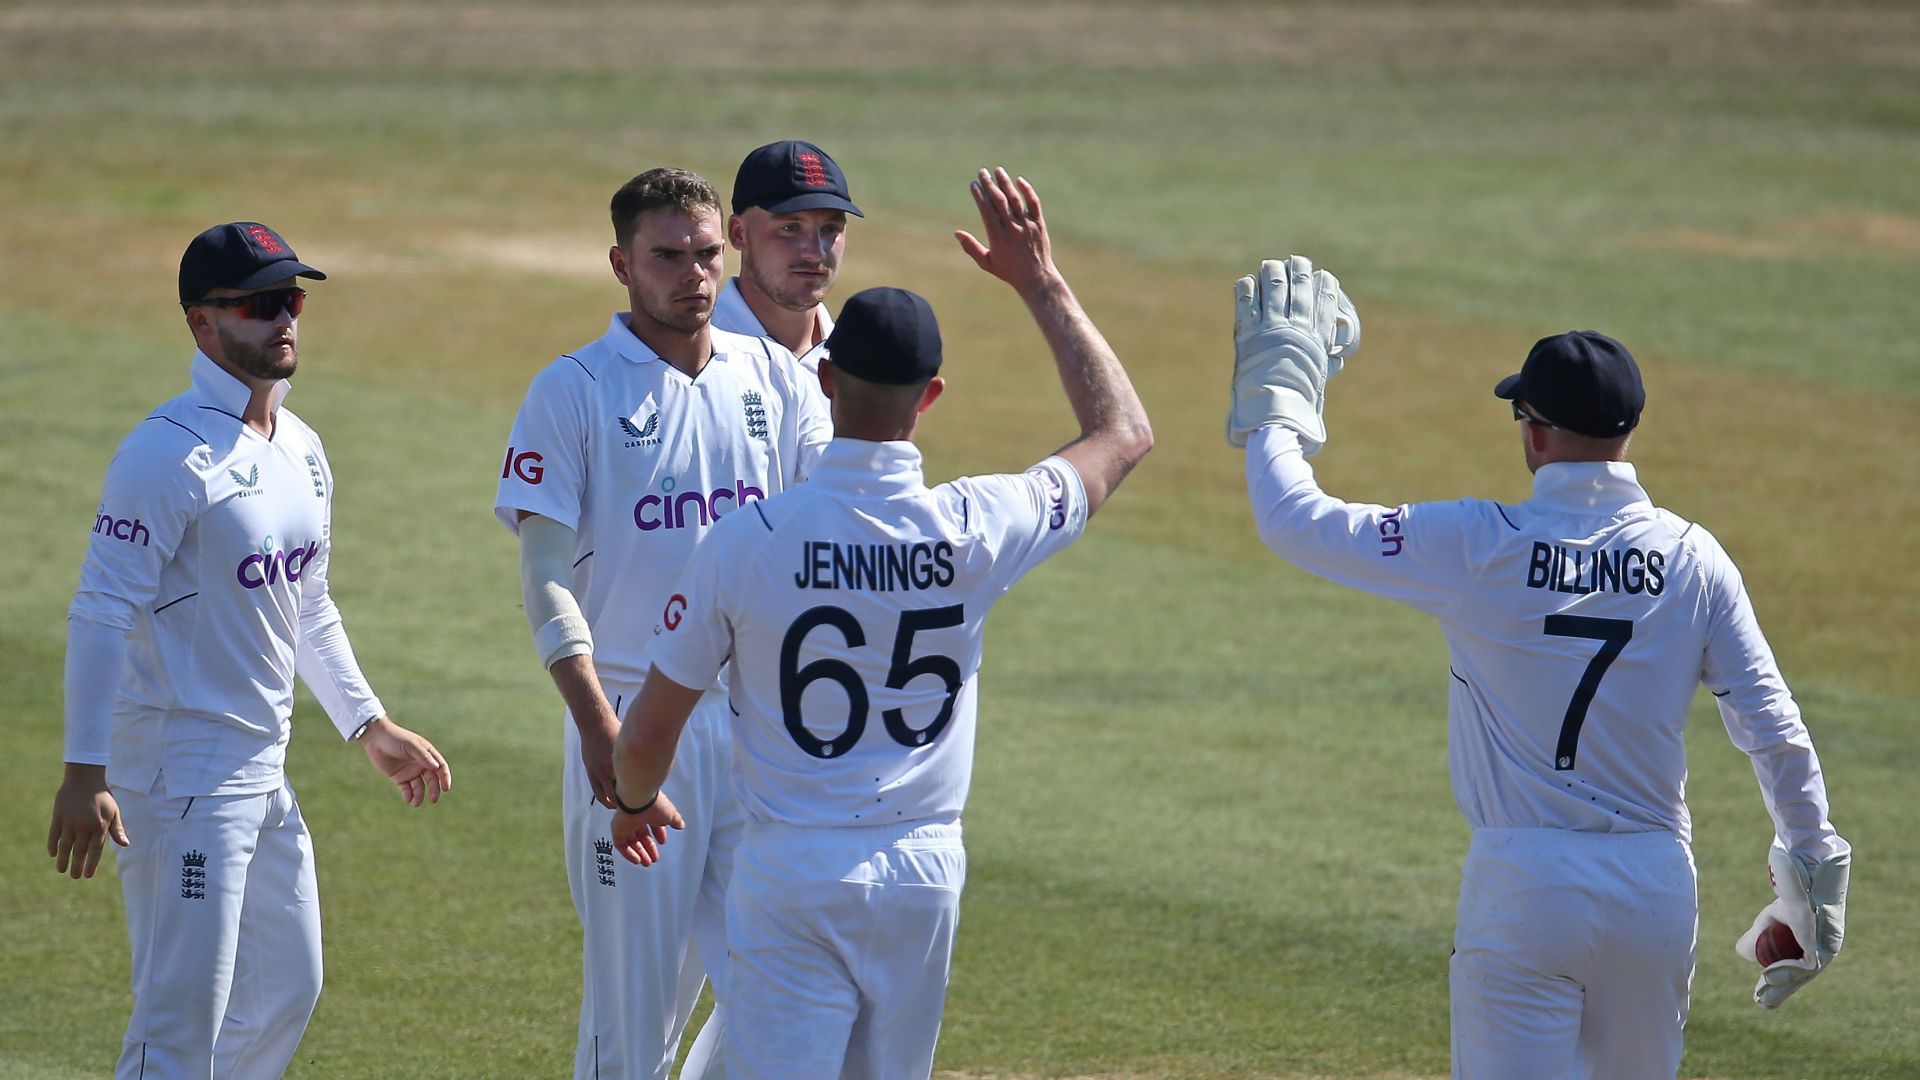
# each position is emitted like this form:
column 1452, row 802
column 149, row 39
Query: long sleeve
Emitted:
column 1412, row 554
column 1762, row 718
column 147, row 502
column 324, row 659
column 96, row 656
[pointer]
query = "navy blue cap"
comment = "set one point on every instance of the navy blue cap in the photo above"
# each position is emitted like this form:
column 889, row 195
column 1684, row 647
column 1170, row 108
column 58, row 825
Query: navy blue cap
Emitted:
column 784, row 177
column 886, row 336
column 238, row 255
column 1581, row 380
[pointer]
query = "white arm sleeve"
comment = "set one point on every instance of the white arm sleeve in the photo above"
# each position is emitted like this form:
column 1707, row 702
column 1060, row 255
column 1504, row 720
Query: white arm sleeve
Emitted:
column 546, row 569
column 96, row 660
column 326, row 663
column 1413, row 554
column 325, row 660
column 1762, row 718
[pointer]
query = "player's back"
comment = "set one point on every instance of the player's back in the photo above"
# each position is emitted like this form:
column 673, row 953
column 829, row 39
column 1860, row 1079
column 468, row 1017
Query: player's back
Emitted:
column 857, row 605
column 1576, row 648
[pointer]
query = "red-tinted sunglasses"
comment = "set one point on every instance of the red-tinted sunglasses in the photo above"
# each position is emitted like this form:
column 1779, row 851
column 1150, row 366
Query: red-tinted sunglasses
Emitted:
column 264, row 306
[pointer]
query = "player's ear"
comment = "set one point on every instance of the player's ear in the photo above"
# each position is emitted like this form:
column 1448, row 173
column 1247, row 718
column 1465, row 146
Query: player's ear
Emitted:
column 826, row 377
column 737, row 233
column 617, row 258
column 1539, row 437
column 927, row 397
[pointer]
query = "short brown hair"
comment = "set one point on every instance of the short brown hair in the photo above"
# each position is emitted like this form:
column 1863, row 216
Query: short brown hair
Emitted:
column 685, row 191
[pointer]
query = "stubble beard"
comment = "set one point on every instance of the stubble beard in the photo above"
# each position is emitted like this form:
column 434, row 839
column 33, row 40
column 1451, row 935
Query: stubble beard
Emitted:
column 254, row 360
column 673, row 318
column 783, row 291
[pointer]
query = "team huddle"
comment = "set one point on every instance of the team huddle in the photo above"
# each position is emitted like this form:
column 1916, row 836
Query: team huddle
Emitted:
column 767, row 628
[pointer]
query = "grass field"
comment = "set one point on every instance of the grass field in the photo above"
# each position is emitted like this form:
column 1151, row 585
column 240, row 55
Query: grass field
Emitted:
column 1210, row 834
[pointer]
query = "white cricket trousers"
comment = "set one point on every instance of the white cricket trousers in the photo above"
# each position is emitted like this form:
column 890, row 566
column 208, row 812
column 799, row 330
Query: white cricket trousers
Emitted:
column 224, row 916
column 842, row 940
column 652, row 935
column 1573, row 955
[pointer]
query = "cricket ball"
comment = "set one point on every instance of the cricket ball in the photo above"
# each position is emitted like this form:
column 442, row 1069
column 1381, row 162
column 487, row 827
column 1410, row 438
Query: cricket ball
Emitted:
column 1776, row 943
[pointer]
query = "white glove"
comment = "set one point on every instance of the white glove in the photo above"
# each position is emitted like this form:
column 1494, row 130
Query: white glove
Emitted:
column 1293, row 329
column 1813, row 903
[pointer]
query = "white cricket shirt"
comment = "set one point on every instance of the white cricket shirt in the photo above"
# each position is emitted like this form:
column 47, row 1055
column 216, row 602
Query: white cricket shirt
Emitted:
column 730, row 312
column 640, row 461
column 210, row 552
column 1578, row 625
column 854, row 608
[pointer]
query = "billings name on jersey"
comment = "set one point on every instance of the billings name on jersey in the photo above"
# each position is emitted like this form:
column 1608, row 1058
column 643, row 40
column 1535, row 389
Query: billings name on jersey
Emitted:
column 875, row 567
column 1631, row 571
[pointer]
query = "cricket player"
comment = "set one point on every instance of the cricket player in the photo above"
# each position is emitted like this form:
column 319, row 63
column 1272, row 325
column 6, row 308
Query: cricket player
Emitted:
column 623, row 456
column 1578, row 624
column 853, row 608
column 203, row 593
column 789, row 223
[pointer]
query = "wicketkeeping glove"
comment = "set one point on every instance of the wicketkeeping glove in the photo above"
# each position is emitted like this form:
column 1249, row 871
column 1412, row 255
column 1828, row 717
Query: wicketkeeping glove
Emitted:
column 1293, row 329
column 1813, row 903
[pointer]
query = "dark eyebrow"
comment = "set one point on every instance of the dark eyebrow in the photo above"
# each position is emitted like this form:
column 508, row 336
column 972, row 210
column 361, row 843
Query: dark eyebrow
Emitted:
column 662, row 249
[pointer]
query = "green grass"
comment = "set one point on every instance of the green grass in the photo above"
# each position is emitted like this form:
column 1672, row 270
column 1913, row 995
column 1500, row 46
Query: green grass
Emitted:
column 1210, row 834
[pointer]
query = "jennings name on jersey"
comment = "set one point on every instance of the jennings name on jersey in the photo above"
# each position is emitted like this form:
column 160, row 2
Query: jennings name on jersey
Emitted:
column 640, row 461
column 854, row 608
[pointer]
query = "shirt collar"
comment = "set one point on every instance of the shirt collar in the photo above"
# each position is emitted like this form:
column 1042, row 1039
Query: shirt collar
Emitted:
column 232, row 396
column 1588, row 487
column 825, row 322
column 732, row 309
column 861, row 467
column 620, row 336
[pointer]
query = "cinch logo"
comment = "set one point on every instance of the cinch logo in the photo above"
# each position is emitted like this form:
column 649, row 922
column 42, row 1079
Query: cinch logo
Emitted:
column 641, row 436
column 269, row 565
column 525, row 466
column 1056, row 499
column 1391, row 542
column 128, row 529
column 670, row 511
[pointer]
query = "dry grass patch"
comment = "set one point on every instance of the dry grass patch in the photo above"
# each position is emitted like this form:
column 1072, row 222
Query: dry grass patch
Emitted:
column 1891, row 234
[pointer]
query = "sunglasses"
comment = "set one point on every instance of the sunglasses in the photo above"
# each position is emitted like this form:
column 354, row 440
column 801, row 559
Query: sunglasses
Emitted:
column 263, row 306
column 1522, row 414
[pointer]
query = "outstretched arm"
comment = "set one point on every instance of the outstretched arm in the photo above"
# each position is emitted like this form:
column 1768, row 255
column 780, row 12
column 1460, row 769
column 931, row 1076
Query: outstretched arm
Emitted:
column 1114, row 432
column 642, row 758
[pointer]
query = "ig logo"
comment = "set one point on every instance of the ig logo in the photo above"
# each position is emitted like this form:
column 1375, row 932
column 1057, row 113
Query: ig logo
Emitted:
column 525, row 465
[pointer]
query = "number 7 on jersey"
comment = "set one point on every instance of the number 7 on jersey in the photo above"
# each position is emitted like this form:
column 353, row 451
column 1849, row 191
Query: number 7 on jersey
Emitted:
column 1613, row 634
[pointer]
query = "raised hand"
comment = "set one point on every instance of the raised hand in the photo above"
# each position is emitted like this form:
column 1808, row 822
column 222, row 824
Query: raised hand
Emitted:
column 1016, row 249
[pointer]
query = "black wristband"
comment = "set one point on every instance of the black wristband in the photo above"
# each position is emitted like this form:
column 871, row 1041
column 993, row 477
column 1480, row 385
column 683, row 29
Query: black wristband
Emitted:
column 641, row 809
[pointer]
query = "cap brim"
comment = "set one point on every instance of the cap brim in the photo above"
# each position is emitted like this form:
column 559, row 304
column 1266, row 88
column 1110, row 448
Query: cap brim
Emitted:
column 279, row 271
column 817, row 200
column 1509, row 388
